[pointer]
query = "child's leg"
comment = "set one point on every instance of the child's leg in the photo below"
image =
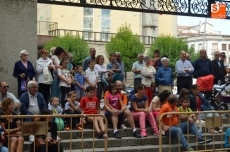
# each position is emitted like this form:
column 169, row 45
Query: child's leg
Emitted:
column 68, row 120
column 63, row 94
column 95, row 123
column 20, row 144
column 115, row 122
column 77, row 119
column 13, row 144
column 101, row 123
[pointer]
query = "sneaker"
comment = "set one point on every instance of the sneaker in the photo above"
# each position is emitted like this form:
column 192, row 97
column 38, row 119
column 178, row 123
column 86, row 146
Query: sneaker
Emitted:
column 190, row 149
column 136, row 134
column 123, row 127
column 31, row 139
column 66, row 128
column 117, row 135
column 100, row 135
column 202, row 140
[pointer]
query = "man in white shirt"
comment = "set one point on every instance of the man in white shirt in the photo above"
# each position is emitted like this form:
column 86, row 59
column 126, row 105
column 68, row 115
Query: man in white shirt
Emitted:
column 5, row 94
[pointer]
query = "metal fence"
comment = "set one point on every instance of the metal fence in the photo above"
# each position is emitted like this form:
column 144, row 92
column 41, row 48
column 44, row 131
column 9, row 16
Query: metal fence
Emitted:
column 39, row 127
column 212, row 119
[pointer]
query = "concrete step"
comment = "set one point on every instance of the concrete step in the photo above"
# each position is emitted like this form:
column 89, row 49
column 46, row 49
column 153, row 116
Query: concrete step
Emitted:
column 153, row 148
column 127, row 141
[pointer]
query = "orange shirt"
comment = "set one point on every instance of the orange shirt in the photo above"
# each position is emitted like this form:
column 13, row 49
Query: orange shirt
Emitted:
column 122, row 95
column 171, row 120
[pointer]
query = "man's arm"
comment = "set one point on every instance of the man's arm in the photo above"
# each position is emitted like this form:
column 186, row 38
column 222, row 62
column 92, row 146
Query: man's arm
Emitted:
column 24, row 104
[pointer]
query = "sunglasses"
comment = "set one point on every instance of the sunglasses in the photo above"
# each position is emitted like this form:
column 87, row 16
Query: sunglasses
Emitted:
column 5, row 87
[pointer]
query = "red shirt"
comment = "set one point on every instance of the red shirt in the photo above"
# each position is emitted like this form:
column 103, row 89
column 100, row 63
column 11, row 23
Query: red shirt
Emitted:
column 198, row 103
column 90, row 105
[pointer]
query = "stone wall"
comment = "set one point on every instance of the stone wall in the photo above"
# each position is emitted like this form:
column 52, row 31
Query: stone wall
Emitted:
column 18, row 31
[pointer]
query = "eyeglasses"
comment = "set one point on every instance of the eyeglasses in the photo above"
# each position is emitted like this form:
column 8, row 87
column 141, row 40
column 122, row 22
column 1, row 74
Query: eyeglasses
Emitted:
column 5, row 87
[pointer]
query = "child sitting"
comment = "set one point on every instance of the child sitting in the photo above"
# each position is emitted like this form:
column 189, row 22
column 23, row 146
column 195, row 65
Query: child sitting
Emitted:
column 185, row 108
column 113, row 104
column 90, row 105
column 54, row 106
column 57, row 110
column 72, row 107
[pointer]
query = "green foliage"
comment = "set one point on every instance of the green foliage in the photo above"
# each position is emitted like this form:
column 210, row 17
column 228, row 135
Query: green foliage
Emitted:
column 127, row 44
column 171, row 47
column 73, row 44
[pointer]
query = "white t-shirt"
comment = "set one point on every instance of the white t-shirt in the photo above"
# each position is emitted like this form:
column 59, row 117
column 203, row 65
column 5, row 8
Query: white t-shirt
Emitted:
column 33, row 105
column 91, row 75
column 100, row 69
column 66, row 74
column 155, row 100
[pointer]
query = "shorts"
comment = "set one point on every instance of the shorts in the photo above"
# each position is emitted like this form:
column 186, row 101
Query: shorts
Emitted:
column 80, row 93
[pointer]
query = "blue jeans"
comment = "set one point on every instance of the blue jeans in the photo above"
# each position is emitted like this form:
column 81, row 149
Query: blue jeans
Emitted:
column 3, row 149
column 177, row 132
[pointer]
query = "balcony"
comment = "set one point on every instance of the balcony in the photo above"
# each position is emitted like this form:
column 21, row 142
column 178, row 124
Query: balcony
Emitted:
column 96, row 36
column 50, row 29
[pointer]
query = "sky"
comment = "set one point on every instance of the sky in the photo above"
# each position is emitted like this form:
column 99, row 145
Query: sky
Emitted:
column 222, row 25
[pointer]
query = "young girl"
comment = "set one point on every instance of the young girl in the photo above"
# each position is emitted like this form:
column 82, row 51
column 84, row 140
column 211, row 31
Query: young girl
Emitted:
column 65, row 80
column 113, row 106
column 73, row 107
column 79, row 79
column 90, row 105
column 91, row 76
column 140, row 110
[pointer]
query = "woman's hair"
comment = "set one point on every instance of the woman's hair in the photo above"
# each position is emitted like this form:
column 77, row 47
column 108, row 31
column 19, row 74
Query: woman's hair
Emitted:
column 111, row 87
column 5, row 103
column 139, row 87
column 110, row 55
column 23, row 52
column 164, row 95
column 45, row 112
column 183, row 92
column 58, row 51
column 63, row 60
column 72, row 93
column 89, row 88
column 98, row 58
column 43, row 51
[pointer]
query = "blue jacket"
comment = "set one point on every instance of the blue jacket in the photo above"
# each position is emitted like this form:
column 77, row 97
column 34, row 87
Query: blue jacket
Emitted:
column 202, row 68
column 24, row 99
column 164, row 76
column 205, row 105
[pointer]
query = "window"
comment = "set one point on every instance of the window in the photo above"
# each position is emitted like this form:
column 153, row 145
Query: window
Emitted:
column 88, row 24
column 105, row 24
column 224, row 46
column 200, row 46
column 229, row 47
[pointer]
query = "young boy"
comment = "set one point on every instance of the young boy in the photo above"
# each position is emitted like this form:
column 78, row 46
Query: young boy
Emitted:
column 185, row 108
column 91, row 76
column 54, row 106
column 72, row 107
column 79, row 79
column 90, row 105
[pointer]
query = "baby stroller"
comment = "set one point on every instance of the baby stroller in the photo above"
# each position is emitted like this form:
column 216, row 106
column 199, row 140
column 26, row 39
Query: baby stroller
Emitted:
column 221, row 95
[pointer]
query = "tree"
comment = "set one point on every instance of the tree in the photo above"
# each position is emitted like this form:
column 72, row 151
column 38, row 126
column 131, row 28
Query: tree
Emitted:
column 171, row 47
column 127, row 44
column 73, row 44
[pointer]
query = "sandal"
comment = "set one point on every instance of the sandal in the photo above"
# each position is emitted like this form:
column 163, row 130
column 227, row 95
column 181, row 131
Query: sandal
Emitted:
column 212, row 130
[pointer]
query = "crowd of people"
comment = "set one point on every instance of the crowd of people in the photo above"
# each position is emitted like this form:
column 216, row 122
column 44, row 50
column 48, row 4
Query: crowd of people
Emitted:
column 57, row 86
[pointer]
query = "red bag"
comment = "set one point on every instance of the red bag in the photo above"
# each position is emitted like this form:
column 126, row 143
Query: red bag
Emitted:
column 205, row 83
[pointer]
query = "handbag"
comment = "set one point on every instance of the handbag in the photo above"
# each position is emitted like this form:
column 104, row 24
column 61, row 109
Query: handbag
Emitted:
column 23, row 85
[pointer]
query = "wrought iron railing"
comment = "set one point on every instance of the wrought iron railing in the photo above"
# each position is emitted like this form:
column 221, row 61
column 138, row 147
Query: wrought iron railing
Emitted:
column 198, row 8
column 96, row 36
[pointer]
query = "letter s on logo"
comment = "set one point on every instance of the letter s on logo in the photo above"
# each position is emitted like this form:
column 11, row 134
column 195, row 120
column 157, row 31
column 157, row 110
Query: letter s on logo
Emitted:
column 215, row 8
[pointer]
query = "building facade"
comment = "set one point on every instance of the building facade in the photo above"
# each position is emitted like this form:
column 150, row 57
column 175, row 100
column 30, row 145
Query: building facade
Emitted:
column 211, row 40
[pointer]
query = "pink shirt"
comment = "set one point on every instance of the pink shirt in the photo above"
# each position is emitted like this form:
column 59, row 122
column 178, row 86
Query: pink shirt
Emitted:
column 113, row 100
